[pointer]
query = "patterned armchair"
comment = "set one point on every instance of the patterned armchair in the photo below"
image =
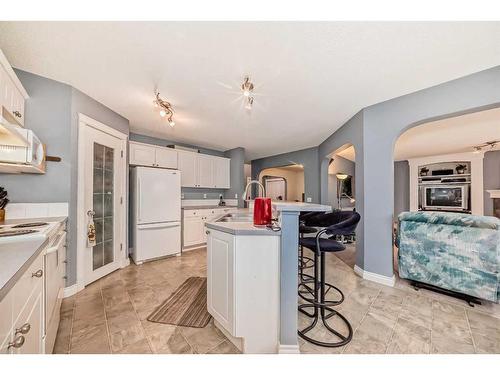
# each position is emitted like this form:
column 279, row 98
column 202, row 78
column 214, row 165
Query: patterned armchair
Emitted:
column 452, row 251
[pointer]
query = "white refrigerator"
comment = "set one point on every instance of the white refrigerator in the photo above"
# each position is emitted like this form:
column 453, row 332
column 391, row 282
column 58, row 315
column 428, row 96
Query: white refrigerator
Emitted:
column 156, row 212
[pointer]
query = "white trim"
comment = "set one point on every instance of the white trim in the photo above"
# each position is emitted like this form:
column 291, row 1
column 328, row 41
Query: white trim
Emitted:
column 12, row 75
column 288, row 349
column 375, row 277
column 71, row 290
column 84, row 120
column 494, row 193
column 100, row 126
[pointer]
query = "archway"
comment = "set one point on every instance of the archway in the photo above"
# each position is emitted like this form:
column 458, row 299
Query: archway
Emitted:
column 284, row 183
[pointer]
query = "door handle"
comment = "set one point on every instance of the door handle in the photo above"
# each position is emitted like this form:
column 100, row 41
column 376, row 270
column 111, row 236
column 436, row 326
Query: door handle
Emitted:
column 91, row 213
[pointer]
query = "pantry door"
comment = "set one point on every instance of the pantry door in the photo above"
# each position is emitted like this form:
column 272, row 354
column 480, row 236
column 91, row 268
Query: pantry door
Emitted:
column 103, row 213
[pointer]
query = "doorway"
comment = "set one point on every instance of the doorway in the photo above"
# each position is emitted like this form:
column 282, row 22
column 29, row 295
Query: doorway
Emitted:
column 284, row 183
column 101, row 201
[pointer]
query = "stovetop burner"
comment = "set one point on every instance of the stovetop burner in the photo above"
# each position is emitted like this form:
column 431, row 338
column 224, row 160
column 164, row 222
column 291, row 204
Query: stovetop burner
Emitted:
column 10, row 233
column 31, row 225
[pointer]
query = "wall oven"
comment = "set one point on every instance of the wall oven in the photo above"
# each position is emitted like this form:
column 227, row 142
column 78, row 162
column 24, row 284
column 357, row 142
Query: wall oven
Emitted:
column 445, row 197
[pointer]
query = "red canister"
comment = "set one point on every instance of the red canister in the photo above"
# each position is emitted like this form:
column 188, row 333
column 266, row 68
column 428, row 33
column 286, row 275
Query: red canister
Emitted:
column 262, row 211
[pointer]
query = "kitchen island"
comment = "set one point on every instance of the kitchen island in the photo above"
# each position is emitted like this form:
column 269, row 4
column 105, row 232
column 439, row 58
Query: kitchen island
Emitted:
column 252, row 278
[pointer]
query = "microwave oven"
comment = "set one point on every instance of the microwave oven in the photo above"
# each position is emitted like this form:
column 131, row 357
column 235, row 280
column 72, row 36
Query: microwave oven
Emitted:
column 32, row 154
column 445, row 197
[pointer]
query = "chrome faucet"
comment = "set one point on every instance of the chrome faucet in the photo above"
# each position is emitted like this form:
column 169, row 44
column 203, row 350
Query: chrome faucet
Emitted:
column 258, row 194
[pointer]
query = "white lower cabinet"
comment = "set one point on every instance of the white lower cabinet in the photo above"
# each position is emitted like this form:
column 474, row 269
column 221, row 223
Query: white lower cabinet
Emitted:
column 194, row 232
column 220, row 278
column 29, row 313
column 243, row 289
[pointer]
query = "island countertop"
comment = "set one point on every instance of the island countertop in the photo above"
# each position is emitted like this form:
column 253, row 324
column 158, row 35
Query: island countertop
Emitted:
column 241, row 228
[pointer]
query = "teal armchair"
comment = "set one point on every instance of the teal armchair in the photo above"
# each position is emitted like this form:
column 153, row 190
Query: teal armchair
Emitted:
column 451, row 251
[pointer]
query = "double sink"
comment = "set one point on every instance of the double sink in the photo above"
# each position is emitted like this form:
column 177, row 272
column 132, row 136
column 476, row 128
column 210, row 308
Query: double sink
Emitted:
column 236, row 218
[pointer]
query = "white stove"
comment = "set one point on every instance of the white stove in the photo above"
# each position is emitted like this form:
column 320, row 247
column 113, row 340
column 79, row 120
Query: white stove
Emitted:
column 26, row 230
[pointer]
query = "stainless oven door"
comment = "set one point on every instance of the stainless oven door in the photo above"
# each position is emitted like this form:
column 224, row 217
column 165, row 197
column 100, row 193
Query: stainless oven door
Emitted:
column 445, row 197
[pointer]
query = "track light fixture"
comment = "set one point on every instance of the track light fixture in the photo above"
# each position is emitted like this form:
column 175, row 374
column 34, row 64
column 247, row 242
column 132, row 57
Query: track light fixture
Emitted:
column 165, row 108
column 491, row 145
column 247, row 88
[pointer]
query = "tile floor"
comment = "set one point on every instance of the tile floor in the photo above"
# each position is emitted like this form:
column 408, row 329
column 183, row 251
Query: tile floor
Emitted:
column 109, row 316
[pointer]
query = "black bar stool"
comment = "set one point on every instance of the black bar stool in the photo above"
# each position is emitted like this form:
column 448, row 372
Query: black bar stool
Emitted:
column 345, row 223
column 305, row 262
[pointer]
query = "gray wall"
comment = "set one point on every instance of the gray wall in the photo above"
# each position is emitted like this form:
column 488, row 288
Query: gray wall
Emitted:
column 307, row 157
column 401, row 187
column 491, row 168
column 383, row 123
column 237, row 168
column 351, row 133
column 340, row 165
column 52, row 113
column 47, row 113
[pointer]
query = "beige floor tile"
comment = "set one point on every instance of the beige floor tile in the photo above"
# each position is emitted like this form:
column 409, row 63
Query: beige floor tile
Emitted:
column 139, row 347
column 485, row 344
column 363, row 344
column 226, row 347
column 126, row 336
column 204, row 339
column 89, row 332
column 409, row 338
column 96, row 345
column 62, row 342
column 166, row 339
column 445, row 345
column 455, row 332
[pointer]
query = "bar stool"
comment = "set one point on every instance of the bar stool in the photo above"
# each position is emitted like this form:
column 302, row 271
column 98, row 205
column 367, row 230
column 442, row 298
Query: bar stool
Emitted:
column 345, row 224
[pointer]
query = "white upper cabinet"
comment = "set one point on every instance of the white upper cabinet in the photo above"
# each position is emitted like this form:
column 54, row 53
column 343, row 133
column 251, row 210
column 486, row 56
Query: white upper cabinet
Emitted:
column 188, row 165
column 166, row 158
column 221, row 168
column 197, row 170
column 141, row 154
column 152, row 156
column 206, row 171
column 12, row 93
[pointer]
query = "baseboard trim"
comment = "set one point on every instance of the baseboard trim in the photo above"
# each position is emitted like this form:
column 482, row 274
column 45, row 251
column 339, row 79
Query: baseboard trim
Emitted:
column 288, row 349
column 70, row 290
column 375, row 277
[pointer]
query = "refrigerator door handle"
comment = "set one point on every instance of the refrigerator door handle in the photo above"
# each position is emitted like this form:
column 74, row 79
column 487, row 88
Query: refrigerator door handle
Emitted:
column 159, row 225
column 139, row 200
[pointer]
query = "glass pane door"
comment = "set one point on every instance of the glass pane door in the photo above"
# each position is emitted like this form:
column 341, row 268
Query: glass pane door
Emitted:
column 103, row 163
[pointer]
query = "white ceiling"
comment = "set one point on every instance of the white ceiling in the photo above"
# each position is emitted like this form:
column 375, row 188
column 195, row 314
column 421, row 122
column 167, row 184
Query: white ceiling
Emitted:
column 310, row 77
column 448, row 136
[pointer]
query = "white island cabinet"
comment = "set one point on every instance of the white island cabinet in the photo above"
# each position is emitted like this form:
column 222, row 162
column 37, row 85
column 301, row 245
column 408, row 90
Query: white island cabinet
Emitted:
column 243, row 284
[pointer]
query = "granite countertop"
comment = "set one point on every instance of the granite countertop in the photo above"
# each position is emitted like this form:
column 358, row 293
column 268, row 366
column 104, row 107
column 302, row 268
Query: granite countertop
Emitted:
column 206, row 207
column 17, row 256
column 300, row 206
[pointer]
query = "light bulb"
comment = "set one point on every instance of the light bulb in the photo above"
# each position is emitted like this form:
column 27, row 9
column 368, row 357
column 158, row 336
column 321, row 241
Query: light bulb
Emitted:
column 246, row 93
column 155, row 103
column 163, row 113
column 171, row 123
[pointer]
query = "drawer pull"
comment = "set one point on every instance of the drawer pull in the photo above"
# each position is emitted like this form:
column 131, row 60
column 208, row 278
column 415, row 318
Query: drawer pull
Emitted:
column 38, row 273
column 17, row 343
column 25, row 328
column 17, row 114
column 207, row 232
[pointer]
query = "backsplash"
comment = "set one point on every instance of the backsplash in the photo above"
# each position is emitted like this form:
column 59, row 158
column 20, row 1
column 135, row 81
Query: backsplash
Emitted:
column 34, row 210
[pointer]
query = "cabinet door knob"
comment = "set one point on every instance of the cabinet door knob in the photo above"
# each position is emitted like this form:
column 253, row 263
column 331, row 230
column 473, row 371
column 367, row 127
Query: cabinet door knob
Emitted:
column 17, row 114
column 25, row 328
column 207, row 232
column 38, row 273
column 17, row 343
